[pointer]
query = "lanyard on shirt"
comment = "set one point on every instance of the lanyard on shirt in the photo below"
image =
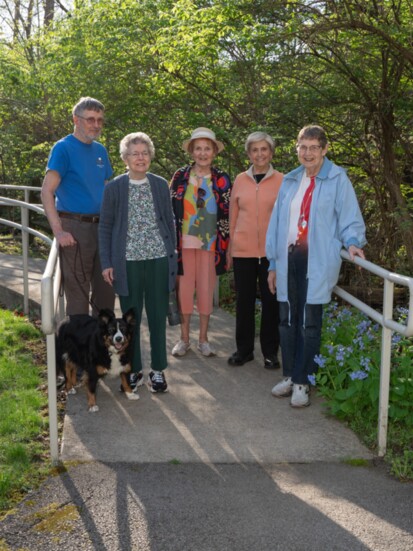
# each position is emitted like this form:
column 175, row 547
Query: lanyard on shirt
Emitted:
column 302, row 233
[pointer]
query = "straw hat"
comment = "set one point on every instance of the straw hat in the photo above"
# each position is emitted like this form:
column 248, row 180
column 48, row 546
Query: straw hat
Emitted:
column 202, row 132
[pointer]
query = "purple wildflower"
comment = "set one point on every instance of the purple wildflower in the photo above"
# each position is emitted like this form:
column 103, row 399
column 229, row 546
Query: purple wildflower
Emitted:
column 344, row 314
column 358, row 375
column 320, row 360
column 365, row 362
column 363, row 326
column 340, row 354
column 311, row 378
column 359, row 341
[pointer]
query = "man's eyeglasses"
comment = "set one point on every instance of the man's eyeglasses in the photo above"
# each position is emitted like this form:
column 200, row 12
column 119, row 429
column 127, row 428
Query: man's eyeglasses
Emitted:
column 311, row 149
column 93, row 120
column 200, row 202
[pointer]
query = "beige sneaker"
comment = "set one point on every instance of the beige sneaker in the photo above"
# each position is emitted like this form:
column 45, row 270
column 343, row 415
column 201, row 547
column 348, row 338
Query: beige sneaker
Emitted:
column 301, row 396
column 206, row 349
column 181, row 348
column 284, row 388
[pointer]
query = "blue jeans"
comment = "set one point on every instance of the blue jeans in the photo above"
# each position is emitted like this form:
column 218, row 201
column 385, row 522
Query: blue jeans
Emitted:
column 300, row 323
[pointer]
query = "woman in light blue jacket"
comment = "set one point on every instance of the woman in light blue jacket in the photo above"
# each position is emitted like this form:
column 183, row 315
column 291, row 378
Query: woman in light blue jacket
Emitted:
column 315, row 215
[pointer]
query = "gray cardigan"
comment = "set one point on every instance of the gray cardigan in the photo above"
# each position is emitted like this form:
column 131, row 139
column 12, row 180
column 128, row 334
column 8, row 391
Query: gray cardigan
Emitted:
column 113, row 226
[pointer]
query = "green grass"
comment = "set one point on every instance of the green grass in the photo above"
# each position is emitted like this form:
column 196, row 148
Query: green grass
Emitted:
column 23, row 409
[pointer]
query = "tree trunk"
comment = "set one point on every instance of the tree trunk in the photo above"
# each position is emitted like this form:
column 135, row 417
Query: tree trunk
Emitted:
column 48, row 12
column 393, row 182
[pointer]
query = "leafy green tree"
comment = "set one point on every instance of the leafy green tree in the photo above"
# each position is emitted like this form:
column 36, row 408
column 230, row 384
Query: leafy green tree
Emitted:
column 166, row 67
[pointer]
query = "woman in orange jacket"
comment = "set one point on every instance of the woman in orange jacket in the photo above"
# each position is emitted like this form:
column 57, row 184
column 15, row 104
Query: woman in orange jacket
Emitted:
column 252, row 200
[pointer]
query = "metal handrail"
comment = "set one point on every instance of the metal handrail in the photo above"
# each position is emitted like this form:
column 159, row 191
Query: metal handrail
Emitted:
column 51, row 300
column 52, row 303
column 383, row 318
column 25, row 207
column 24, row 188
column 388, row 324
column 53, row 307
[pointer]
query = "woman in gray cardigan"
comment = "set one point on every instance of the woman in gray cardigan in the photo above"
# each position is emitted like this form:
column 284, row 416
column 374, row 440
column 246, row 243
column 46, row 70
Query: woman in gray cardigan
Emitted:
column 137, row 250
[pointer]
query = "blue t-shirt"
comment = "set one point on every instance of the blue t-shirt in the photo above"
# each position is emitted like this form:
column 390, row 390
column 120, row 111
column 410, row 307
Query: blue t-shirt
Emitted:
column 83, row 169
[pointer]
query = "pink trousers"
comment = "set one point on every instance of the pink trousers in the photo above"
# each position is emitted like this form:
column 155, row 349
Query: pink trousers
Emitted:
column 200, row 278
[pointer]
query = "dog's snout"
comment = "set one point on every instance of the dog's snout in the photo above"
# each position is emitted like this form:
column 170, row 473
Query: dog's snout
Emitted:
column 118, row 337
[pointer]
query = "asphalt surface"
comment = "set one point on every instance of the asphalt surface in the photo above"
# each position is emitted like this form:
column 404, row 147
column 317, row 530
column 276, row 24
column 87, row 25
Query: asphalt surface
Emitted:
column 215, row 464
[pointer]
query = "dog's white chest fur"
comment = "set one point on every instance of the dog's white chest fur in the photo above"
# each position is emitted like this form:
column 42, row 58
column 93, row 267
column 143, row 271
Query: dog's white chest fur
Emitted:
column 116, row 367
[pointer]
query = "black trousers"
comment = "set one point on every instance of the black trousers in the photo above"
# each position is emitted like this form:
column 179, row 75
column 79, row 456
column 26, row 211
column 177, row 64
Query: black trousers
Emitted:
column 247, row 271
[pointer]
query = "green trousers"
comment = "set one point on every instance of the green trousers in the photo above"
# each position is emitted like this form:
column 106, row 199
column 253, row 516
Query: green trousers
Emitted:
column 148, row 283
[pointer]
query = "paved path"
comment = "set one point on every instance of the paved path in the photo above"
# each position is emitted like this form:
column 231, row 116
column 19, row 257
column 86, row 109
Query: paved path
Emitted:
column 215, row 464
column 11, row 282
column 213, row 413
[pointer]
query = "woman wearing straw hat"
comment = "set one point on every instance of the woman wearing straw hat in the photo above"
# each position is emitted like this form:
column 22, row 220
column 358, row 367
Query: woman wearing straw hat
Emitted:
column 200, row 200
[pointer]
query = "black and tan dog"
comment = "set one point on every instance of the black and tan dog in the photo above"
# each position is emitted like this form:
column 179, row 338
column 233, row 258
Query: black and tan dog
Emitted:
column 98, row 346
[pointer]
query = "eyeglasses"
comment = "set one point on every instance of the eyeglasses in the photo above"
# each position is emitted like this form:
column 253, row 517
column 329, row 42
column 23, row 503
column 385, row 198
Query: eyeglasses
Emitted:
column 138, row 154
column 92, row 120
column 200, row 202
column 311, row 149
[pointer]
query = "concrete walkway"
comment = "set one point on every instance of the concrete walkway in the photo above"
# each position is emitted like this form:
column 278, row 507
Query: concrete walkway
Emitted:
column 213, row 413
column 11, row 282
column 216, row 463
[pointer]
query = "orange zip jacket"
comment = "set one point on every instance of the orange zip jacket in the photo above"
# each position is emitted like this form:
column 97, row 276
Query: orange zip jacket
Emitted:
column 250, row 209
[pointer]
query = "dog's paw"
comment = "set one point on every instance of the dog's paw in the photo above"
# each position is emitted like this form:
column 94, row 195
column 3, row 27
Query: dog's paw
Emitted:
column 72, row 391
column 132, row 395
column 93, row 409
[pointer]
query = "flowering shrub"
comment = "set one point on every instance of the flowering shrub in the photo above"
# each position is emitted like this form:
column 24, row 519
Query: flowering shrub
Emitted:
column 349, row 368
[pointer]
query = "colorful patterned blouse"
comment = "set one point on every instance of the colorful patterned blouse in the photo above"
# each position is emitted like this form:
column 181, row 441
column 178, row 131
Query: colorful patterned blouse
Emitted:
column 199, row 226
column 221, row 187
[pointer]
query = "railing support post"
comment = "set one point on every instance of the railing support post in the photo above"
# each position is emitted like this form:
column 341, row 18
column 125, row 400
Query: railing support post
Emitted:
column 385, row 362
column 52, row 395
column 25, row 254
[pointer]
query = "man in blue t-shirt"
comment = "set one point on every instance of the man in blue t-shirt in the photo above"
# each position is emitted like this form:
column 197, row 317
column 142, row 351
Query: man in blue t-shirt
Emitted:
column 76, row 173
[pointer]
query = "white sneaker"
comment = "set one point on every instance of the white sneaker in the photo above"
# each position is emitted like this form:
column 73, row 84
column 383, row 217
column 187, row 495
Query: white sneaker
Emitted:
column 132, row 395
column 181, row 348
column 301, row 396
column 206, row 349
column 284, row 388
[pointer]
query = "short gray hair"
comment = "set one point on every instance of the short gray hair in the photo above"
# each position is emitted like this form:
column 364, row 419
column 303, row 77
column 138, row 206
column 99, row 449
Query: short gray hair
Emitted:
column 258, row 137
column 89, row 104
column 134, row 138
column 313, row 132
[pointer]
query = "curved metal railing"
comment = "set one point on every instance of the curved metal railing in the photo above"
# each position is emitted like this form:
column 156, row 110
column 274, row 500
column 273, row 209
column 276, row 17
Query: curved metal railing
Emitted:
column 53, row 307
column 52, row 304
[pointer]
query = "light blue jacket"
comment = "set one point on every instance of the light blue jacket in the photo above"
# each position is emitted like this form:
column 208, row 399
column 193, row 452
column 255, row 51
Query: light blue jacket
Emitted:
column 335, row 222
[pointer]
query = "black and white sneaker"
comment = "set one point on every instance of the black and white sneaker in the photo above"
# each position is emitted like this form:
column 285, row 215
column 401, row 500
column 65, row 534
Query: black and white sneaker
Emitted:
column 135, row 381
column 157, row 382
column 60, row 382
